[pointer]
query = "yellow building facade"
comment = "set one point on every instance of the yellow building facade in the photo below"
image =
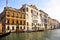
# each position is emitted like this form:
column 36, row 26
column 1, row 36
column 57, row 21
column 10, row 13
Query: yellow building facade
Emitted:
column 14, row 19
column 1, row 27
column 53, row 23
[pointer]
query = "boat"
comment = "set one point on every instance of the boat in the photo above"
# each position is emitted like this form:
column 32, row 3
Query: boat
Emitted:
column 5, row 34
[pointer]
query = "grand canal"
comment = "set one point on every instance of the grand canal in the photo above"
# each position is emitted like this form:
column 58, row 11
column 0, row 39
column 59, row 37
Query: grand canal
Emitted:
column 46, row 35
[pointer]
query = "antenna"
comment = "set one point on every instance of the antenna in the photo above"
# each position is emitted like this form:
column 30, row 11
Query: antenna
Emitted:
column 6, row 3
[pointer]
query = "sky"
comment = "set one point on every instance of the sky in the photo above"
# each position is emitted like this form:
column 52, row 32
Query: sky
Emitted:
column 51, row 7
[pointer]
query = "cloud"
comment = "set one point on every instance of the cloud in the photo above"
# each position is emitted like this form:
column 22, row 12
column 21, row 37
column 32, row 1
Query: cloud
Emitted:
column 53, row 9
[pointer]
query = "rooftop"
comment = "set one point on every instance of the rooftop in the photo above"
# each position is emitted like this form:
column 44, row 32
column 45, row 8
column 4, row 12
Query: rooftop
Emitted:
column 43, row 12
column 32, row 5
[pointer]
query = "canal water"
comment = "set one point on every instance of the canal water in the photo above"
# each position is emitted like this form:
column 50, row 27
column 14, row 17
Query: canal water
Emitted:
column 46, row 35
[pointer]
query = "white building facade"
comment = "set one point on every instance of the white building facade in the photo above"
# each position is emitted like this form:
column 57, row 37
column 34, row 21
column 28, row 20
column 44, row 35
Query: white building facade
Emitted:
column 35, row 19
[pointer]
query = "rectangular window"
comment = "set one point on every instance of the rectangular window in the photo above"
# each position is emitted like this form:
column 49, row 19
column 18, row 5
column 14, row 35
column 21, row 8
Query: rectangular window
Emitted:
column 24, row 22
column 12, row 21
column 38, row 24
column 12, row 27
column 40, row 15
column 37, row 13
column 27, row 24
column 20, row 27
column 17, row 21
column 12, row 14
column 45, row 25
column 8, row 21
column 20, row 22
column 32, row 11
column 24, row 27
column 8, row 28
column 45, row 20
column 45, row 16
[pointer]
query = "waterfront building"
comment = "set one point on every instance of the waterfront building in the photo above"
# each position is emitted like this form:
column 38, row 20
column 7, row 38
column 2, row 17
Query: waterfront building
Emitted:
column 49, row 23
column 59, row 25
column 44, row 19
column 56, row 23
column 1, row 27
column 37, row 19
column 27, row 18
column 33, row 22
column 53, row 23
column 13, row 19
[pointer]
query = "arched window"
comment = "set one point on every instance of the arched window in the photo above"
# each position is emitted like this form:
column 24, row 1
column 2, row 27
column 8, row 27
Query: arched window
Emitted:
column 20, row 22
column 20, row 27
column 8, row 28
column 8, row 21
column 13, row 28
column 24, row 27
